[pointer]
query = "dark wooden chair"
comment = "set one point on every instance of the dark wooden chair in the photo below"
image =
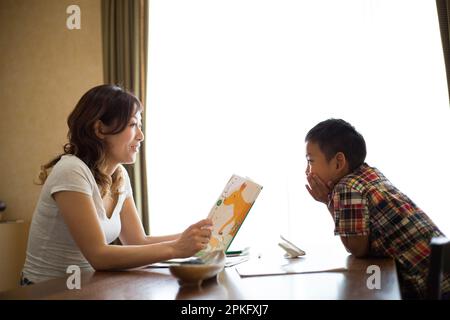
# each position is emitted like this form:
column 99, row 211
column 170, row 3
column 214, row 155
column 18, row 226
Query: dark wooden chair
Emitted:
column 439, row 263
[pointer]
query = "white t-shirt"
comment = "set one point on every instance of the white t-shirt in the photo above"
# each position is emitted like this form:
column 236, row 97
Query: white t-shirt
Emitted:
column 51, row 248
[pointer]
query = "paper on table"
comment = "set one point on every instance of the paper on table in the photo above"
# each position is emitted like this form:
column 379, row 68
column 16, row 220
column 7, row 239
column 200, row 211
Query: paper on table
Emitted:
column 299, row 265
column 176, row 261
column 235, row 260
column 229, row 262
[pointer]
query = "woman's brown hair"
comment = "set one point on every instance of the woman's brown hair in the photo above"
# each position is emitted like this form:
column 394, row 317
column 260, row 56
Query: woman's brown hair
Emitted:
column 114, row 107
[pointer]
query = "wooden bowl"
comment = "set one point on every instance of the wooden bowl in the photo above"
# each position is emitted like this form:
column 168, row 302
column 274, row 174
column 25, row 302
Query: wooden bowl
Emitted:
column 190, row 273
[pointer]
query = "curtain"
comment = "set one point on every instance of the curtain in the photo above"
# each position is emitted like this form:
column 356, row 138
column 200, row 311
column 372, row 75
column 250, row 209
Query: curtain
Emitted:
column 124, row 36
column 443, row 7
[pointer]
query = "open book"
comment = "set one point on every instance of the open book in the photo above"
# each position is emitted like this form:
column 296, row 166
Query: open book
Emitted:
column 311, row 264
column 230, row 211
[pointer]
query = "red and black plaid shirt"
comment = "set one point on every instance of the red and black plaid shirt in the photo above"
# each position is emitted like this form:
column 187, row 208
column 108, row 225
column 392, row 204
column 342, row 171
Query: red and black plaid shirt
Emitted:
column 366, row 203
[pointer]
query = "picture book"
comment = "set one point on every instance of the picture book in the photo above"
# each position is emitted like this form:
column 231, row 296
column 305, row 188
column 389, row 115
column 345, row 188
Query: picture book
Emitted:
column 230, row 211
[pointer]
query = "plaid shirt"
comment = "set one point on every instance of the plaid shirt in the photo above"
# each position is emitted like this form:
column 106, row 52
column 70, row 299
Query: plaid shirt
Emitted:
column 366, row 203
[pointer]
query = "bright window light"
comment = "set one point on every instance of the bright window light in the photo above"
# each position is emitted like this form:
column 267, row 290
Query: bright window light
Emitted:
column 234, row 86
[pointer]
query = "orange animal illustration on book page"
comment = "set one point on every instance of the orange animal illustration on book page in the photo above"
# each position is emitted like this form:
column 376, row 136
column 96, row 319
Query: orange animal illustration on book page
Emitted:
column 214, row 243
column 240, row 209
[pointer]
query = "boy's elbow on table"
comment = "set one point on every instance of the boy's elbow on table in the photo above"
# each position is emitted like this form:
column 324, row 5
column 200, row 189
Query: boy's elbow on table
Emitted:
column 357, row 245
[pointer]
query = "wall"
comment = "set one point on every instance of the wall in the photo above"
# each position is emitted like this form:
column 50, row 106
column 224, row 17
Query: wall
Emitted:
column 13, row 243
column 44, row 70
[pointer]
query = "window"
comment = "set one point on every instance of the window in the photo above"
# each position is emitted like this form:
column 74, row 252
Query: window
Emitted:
column 234, row 86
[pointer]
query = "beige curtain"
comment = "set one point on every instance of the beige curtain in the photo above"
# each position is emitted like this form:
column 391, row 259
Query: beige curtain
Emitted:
column 124, row 35
column 443, row 7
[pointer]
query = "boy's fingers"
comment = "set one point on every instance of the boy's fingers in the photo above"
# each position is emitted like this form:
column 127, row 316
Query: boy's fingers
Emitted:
column 308, row 188
column 319, row 181
column 324, row 186
column 311, row 192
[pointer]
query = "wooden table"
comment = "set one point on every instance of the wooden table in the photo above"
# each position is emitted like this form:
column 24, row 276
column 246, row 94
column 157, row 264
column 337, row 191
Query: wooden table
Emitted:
column 159, row 284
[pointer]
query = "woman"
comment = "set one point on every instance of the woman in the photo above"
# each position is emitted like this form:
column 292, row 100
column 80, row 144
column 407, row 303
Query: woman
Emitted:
column 86, row 200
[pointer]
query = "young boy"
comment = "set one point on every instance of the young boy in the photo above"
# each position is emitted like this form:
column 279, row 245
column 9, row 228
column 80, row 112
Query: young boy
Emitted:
column 371, row 216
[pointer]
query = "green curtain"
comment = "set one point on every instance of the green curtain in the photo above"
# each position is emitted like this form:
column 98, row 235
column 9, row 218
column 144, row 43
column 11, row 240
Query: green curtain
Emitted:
column 124, row 35
column 443, row 7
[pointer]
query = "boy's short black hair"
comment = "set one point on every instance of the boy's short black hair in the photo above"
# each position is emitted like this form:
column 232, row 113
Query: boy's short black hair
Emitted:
column 337, row 135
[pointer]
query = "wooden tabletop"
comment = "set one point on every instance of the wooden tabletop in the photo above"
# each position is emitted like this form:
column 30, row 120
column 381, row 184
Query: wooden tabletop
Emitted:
column 159, row 284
